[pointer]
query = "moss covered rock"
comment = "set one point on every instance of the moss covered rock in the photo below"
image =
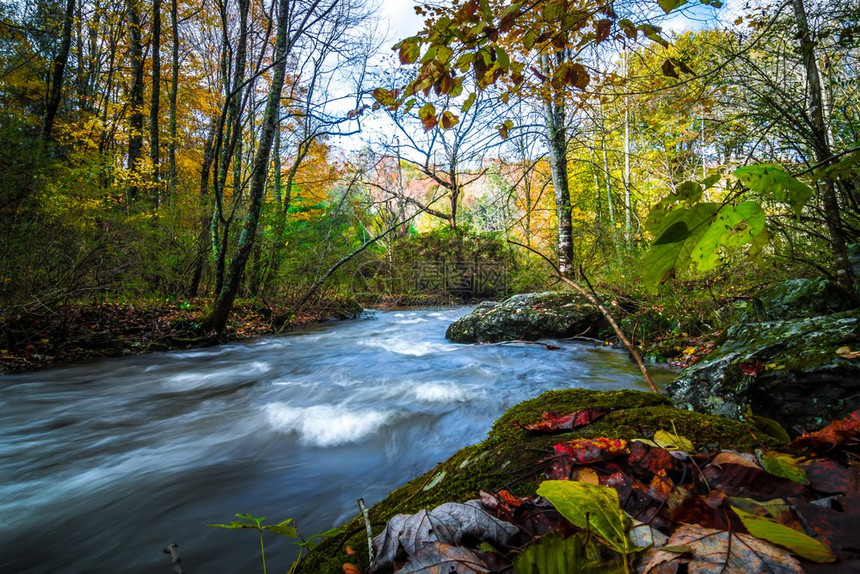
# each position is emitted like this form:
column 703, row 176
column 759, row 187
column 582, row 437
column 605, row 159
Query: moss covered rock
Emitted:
column 802, row 298
column 513, row 458
column 528, row 316
column 789, row 371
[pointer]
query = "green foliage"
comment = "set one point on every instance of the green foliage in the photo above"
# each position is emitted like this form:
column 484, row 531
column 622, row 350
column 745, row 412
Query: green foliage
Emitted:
column 553, row 554
column 285, row 529
column 592, row 507
column 688, row 230
column 771, row 179
column 795, row 541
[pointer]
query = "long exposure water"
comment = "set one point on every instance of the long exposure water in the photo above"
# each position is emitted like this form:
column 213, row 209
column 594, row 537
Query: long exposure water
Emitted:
column 102, row 464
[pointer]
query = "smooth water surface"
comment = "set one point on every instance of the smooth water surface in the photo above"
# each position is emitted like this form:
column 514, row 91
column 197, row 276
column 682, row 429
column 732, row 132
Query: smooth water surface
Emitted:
column 105, row 463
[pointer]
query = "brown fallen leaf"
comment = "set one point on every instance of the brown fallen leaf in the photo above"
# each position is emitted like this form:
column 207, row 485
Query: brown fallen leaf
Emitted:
column 439, row 558
column 722, row 552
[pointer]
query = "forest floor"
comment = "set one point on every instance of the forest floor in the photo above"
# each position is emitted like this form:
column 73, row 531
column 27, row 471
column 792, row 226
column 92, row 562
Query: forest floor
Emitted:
column 77, row 332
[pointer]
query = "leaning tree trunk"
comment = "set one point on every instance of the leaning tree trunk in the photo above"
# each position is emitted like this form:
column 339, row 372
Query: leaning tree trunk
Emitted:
column 822, row 148
column 217, row 319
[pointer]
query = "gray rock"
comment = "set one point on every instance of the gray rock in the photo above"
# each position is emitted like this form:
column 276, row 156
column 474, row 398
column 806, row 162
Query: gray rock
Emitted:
column 801, row 379
column 800, row 298
column 529, row 316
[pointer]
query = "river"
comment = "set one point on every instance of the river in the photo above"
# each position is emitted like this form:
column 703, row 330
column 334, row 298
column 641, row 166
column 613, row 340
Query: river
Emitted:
column 104, row 463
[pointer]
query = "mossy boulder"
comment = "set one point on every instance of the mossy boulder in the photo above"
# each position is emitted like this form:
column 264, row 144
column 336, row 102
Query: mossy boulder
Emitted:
column 528, row 316
column 511, row 457
column 789, row 371
column 802, row 298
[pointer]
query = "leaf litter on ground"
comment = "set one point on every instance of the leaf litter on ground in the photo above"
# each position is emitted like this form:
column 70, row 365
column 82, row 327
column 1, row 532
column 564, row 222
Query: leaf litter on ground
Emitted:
column 650, row 505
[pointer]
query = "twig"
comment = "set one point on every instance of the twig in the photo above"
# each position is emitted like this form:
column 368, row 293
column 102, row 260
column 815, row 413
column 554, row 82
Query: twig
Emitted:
column 176, row 561
column 366, row 516
column 593, row 300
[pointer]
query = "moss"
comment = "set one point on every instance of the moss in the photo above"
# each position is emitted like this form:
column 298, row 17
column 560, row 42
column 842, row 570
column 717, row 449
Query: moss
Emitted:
column 511, row 457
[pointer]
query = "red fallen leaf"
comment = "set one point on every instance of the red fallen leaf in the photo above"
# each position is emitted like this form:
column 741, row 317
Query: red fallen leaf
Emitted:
column 646, row 461
column 637, row 499
column 829, row 476
column 557, row 423
column 751, row 368
column 685, row 506
column 585, row 450
column 833, row 435
column 351, row 569
column 835, row 521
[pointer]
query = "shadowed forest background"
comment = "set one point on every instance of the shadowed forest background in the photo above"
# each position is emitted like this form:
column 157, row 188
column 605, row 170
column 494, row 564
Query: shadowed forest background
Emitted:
column 164, row 162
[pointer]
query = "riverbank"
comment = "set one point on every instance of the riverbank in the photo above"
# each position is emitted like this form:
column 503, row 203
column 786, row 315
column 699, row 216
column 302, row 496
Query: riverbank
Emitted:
column 42, row 338
column 676, row 473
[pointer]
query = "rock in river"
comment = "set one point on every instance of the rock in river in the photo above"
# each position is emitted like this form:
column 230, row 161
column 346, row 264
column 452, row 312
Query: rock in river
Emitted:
column 796, row 371
column 528, row 316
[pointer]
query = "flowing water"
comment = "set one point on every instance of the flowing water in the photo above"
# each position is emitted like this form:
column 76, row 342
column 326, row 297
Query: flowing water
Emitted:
column 102, row 464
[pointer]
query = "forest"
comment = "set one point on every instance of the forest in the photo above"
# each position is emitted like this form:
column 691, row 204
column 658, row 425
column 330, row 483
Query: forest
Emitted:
column 683, row 174
column 203, row 155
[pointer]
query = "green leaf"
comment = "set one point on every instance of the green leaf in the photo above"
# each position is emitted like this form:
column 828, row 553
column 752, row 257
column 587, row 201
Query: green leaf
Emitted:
column 284, row 529
column 771, row 179
column 776, row 533
column 672, row 441
column 732, row 228
column 234, row 525
column 709, row 181
column 671, row 251
column 768, row 426
column 467, row 105
column 669, row 5
column 591, row 506
column 784, row 466
column 553, row 554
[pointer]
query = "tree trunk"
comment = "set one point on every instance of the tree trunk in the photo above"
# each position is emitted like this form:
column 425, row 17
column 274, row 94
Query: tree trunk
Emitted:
column 135, row 121
column 154, row 105
column 174, row 93
column 822, row 148
column 556, row 135
column 217, row 319
column 59, row 66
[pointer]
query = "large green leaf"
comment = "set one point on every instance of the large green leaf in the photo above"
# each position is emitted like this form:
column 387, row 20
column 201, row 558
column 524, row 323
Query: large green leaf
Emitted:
column 784, row 466
column 553, row 554
column 673, row 248
column 772, row 180
column 797, row 542
column 591, row 506
column 733, row 227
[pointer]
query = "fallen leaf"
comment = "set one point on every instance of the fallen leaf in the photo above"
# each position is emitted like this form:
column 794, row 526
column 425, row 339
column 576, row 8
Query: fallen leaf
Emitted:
column 774, row 532
column 448, row 523
column 751, row 368
column 591, row 506
column 732, row 457
column 833, row 435
column 826, row 475
column 584, row 451
column 719, row 551
column 439, row 558
column 847, row 353
column 557, row 423
column 744, row 481
column 672, row 441
column 784, row 466
column 835, row 520
column 351, row 569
